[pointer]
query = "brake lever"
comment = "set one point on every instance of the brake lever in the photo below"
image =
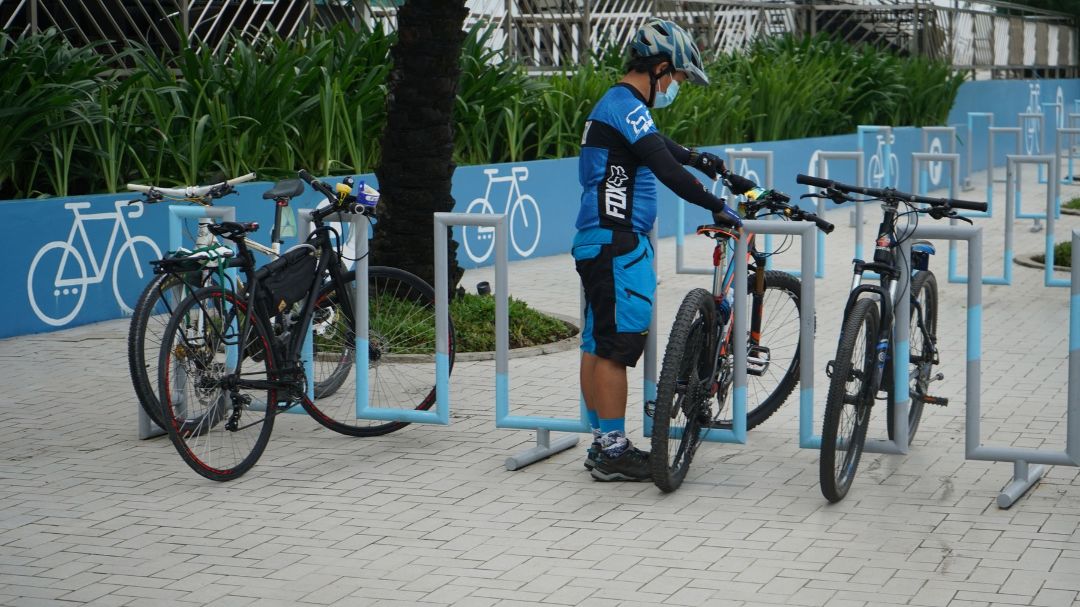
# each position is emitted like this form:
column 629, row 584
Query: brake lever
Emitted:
column 953, row 215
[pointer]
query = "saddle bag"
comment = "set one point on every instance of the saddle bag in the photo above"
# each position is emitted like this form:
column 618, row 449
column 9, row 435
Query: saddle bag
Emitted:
column 288, row 279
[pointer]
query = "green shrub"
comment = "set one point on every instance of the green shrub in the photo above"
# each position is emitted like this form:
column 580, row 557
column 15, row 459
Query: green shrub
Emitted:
column 317, row 101
column 474, row 324
column 1062, row 254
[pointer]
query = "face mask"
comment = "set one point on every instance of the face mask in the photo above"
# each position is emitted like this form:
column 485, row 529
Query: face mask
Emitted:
column 664, row 98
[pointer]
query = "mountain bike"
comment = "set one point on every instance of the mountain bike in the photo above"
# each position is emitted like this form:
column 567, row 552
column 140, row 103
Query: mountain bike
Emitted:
column 697, row 373
column 864, row 354
column 230, row 359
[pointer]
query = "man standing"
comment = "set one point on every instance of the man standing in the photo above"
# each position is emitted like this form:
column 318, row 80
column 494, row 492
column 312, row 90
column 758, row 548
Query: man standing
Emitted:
column 621, row 152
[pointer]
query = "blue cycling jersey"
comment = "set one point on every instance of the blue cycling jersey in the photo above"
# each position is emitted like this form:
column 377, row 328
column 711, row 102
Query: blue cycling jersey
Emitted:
column 619, row 190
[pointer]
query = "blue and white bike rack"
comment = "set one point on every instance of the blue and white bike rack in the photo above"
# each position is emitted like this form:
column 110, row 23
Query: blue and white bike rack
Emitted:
column 856, row 221
column 970, row 147
column 177, row 214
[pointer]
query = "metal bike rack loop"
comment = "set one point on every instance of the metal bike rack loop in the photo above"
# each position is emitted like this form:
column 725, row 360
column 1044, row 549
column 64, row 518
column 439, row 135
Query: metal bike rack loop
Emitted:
column 949, row 132
column 990, row 179
column 1067, row 135
column 177, row 213
column 823, row 158
column 543, row 426
column 1025, row 118
column 737, row 433
column 971, row 116
column 1024, row 474
column 680, row 212
column 1053, row 187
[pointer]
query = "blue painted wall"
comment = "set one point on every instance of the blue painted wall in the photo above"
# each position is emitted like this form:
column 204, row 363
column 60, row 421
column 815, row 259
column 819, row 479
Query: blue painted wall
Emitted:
column 47, row 288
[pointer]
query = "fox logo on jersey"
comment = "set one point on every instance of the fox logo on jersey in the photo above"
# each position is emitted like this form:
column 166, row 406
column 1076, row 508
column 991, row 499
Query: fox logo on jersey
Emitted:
column 615, row 193
column 640, row 119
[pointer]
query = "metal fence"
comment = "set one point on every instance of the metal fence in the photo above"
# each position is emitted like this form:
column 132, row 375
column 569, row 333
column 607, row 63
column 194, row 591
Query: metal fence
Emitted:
column 1001, row 39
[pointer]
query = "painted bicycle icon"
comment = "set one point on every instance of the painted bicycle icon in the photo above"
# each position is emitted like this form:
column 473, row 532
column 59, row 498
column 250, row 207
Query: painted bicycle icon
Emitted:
column 524, row 213
column 878, row 177
column 1032, row 136
column 58, row 277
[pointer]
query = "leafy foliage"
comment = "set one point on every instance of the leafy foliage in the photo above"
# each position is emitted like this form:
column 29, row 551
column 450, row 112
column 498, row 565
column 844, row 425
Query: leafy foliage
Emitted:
column 75, row 125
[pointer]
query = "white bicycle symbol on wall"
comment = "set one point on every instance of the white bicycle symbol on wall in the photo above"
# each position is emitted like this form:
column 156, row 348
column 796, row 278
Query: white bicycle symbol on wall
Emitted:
column 60, row 289
column 524, row 213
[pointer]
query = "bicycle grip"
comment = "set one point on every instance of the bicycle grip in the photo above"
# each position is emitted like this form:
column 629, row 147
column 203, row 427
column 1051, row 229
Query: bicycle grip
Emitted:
column 823, row 225
column 819, row 182
column 738, row 184
column 318, row 185
column 971, row 206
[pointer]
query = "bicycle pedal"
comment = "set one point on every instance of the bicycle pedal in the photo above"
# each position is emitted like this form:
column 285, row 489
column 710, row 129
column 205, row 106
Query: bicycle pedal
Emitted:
column 936, row 400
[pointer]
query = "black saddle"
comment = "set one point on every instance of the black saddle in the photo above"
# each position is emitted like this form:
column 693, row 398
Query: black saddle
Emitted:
column 288, row 188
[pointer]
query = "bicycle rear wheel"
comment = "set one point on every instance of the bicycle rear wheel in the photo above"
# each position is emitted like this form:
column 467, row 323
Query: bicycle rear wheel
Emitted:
column 217, row 420
column 401, row 351
column 773, row 364
column 152, row 311
column 847, row 407
column 682, row 393
column 923, row 352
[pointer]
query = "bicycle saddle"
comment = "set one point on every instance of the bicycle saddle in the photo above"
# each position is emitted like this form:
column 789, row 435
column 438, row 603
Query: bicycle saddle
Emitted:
column 287, row 188
column 232, row 229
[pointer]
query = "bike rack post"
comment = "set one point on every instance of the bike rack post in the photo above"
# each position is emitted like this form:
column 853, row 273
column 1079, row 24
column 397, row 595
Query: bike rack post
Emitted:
column 1024, row 475
column 886, row 152
column 1069, row 136
column 1035, row 118
column 1052, row 189
column 680, row 211
column 902, row 323
column 950, row 135
column 177, row 213
column 1053, row 209
column 990, row 179
column 545, row 447
column 737, row 433
column 1007, row 253
column 971, row 116
column 857, row 218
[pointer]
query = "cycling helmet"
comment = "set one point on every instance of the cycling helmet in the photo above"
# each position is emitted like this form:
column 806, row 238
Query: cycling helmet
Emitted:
column 659, row 37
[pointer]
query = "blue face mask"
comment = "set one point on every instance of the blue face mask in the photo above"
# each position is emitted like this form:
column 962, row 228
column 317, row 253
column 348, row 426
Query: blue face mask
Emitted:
column 664, row 99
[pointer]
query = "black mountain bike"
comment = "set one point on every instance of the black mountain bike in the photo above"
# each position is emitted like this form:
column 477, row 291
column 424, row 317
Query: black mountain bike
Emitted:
column 698, row 366
column 230, row 359
column 864, row 355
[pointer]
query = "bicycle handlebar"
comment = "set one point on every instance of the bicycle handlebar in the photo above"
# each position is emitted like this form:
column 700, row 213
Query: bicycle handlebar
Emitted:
column 889, row 193
column 195, row 191
column 776, row 201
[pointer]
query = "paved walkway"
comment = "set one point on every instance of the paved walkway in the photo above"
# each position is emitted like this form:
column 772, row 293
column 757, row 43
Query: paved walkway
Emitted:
column 429, row 516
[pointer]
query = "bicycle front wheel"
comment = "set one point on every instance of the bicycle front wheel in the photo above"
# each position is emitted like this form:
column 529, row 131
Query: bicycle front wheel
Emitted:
column 847, row 407
column 217, row 418
column 923, row 355
column 682, row 392
column 401, row 351
column 772, row 368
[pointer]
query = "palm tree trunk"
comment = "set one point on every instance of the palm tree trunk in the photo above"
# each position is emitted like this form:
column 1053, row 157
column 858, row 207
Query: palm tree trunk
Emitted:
column 418, row 141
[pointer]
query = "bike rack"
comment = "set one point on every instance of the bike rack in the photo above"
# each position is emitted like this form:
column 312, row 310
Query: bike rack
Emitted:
column 1070, row 133
column 1024, row 474
column 1023, row 119
column 543, row 426
column 823, row 158
column 971, row 116
column 990, row 179
column 902, row 323
column 950, row 135
column 1052, row 213
column 1052, row 189
column 1007, row 253
column 680, row 212
column 737, row 434
column 863, row 129
column 177, row 213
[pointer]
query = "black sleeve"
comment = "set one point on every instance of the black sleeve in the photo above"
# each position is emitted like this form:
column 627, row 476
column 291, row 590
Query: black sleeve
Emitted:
column 654, row 153
column 680, row 153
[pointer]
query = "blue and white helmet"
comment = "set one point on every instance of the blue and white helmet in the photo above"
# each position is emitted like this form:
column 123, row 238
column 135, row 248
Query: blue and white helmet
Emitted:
column 659, row 37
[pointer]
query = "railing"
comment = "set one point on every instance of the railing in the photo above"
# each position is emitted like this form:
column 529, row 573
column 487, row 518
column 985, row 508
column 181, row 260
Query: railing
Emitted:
column 997, row 38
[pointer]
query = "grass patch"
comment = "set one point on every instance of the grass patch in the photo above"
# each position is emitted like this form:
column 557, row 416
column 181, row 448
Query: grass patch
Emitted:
column 1072, row 204
column 474, row 324
column 1062, row 253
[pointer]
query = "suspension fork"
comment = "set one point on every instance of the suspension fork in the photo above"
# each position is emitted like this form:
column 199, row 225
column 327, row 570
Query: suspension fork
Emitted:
column 757, row 295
